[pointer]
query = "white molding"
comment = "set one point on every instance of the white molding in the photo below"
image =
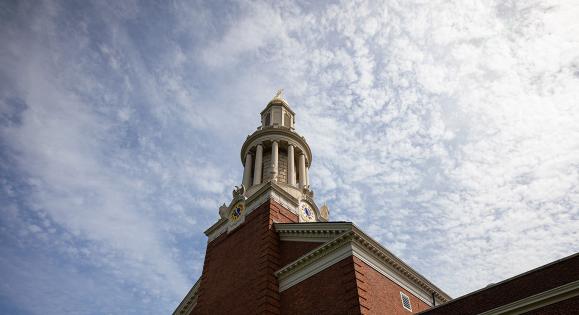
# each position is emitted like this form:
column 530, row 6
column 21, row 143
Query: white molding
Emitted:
column 391, row 274
column 255, row 201
column 347, row 247
column 189, row 301
column 216, row 230
column 314, row 268
column 274, row 192
column 310, row 232
column 361, row 246
column 312, row 239
column 285, row 202
column 539, row 300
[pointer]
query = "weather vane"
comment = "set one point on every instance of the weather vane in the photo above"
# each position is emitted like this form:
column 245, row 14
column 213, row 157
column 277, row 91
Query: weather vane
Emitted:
column 279, row 93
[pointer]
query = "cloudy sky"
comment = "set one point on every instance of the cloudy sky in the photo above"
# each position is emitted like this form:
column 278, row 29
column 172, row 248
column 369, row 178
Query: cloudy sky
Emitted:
column 447, row 130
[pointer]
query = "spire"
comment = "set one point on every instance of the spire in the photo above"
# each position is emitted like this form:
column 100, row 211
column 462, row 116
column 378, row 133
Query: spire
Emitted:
column 277, row 113
column 275, row 154
column 278, row 95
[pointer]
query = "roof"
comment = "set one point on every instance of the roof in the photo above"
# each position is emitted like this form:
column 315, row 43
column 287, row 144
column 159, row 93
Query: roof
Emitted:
column 519, row 291
column 278, row 101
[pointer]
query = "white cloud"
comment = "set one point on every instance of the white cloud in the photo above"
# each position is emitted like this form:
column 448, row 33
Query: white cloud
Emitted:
column 447, row 97
column 447, row 130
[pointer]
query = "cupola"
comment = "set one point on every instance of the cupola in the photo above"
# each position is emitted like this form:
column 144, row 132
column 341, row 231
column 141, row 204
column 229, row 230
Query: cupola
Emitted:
column 277, row 113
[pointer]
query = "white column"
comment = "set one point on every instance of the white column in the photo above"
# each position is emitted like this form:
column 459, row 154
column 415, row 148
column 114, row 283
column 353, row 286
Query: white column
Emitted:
column 274, row 160
column 247, row 171
column 302, row 170
column 257, row 170
column 307, row 176
column 291, row 167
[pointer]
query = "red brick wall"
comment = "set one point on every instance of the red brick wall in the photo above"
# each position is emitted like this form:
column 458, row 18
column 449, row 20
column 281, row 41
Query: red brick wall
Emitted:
column 348, row 287
column 381, row 295
column 331, row 291
column 290, row 251
column 238, row 274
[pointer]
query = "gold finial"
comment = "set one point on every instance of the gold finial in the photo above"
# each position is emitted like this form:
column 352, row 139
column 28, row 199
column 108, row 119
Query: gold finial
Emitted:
column 278, row 94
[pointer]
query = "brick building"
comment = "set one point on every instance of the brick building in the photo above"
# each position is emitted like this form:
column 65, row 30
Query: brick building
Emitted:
column 274, row 251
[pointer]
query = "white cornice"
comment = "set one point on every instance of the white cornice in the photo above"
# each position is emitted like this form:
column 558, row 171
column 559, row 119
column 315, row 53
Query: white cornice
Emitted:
column 352, row 241
column 189, row 301
column 310, row 232
column 216, row 229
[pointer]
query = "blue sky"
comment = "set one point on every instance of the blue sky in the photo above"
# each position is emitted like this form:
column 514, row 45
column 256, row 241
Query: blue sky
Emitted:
column 447, row 130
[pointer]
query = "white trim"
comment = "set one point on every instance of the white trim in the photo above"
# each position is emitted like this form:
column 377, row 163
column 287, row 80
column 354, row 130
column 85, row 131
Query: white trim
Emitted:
column 539, row 300
column 313, row 239
column 387, row 271
column 216, row 230
column 366, row 249
column 335, row 255
column 310, row 232
column 314, row 268
column 189, row 301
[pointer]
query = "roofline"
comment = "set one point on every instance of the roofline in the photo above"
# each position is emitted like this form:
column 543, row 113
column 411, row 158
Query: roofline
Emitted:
column 276, row 101
column 191, row 294
column 352, row 232
column 504, row 281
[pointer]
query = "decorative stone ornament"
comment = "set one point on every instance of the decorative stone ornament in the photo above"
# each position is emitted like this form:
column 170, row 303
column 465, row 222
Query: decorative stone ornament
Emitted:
column 223, row 211
column 325, row 212
column 238, row 191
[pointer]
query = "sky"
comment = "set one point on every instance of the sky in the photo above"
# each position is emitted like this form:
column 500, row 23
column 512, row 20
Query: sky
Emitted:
column 446, row 130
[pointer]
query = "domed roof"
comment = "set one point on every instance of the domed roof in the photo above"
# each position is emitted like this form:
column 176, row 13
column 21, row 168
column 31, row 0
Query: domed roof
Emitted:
column 278, row 100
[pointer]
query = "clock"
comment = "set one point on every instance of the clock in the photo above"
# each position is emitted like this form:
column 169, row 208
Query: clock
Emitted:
column 307, row 213
column 237, row 211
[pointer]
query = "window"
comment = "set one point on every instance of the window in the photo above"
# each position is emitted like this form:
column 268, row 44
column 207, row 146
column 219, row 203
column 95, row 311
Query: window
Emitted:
column 405, row 301
column 286, row 120
column 267, row 119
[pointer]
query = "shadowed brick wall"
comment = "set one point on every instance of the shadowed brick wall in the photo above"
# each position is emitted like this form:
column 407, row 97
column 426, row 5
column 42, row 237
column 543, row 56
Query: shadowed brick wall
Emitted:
column 332, row 291
column 536, row 281
column 238, row 274
column 290, row 251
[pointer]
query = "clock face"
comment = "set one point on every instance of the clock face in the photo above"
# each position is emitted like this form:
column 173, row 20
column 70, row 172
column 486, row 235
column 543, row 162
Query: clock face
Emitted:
column 307, row 213
column 237, row 211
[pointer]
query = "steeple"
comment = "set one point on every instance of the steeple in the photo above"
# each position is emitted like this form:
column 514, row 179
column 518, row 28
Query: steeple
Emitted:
column 276, row 161
column 278, row 113
column 272, row 244
column 276, row 155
